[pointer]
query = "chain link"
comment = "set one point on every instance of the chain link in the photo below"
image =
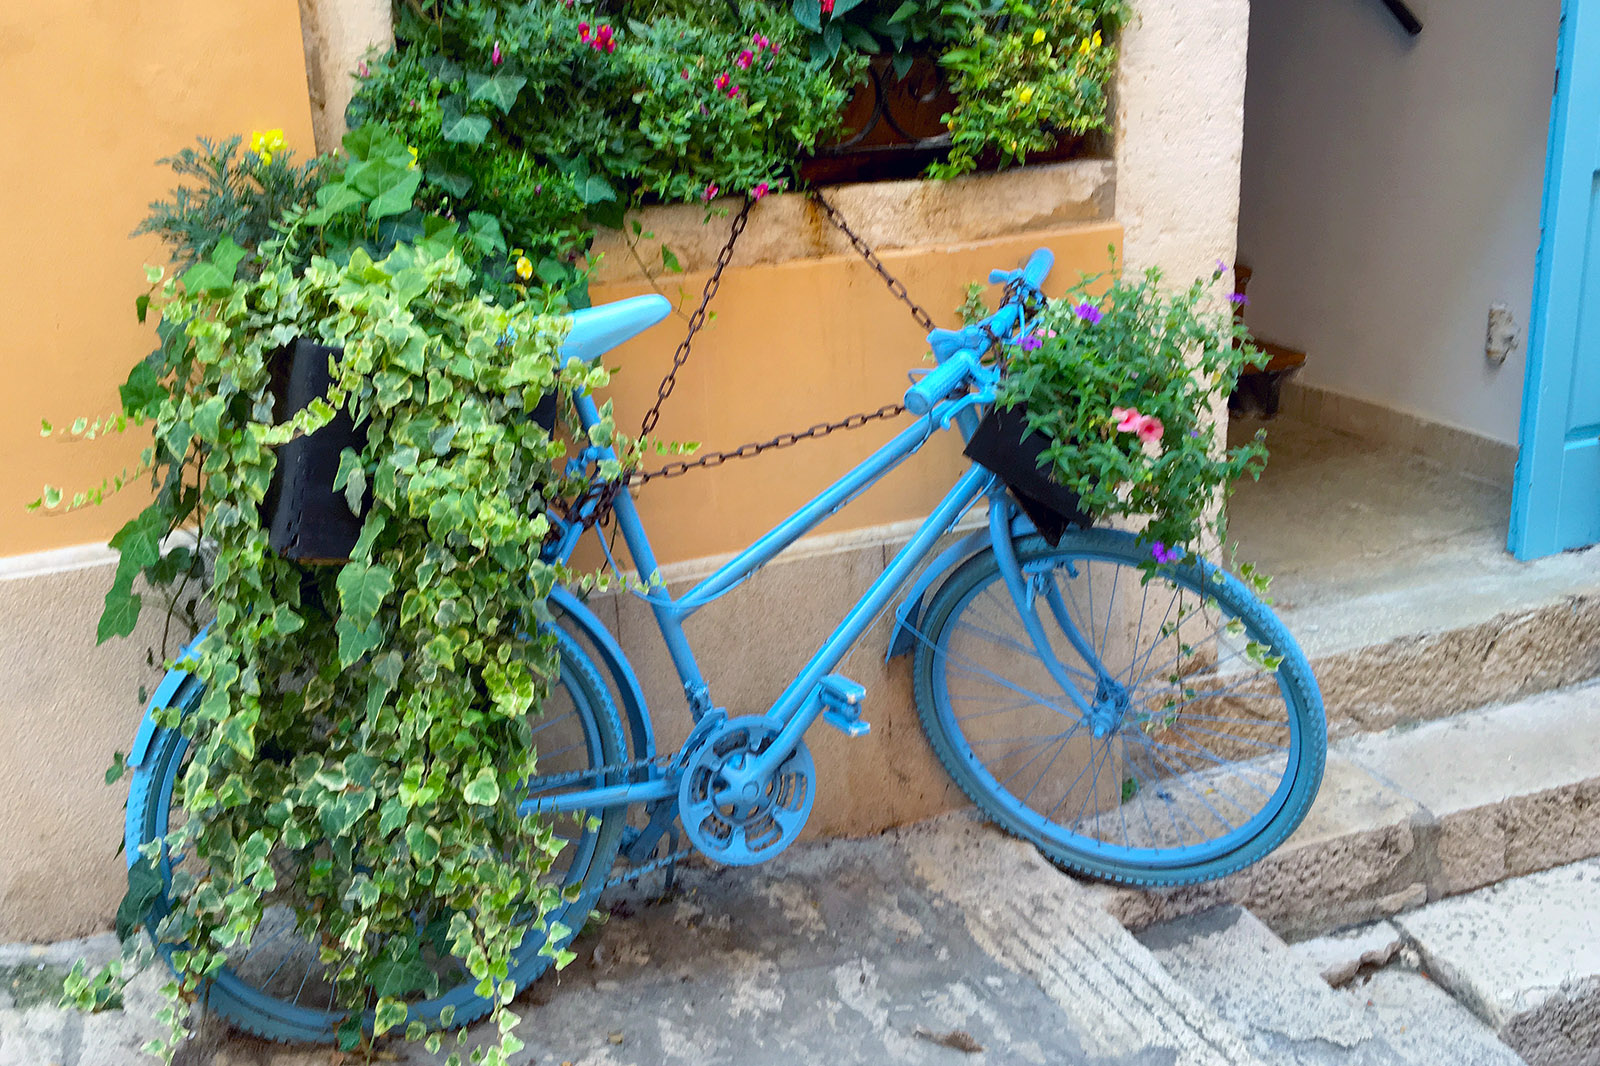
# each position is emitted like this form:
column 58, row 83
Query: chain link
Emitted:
column 604, row 494
column 897, row 287
column 697, row 320
column 782, row 440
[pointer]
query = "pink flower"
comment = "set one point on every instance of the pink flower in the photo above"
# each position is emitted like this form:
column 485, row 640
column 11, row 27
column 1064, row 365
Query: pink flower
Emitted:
column 733, row 91
column 710, row 193
column 495, row 58
column 744, row 60
column 685, row 73
column 362, row 70
column 759, row 191
column 583, row 31
column 827, row 7
column 1128, row 419
column 1150, row 429
column 721, row 81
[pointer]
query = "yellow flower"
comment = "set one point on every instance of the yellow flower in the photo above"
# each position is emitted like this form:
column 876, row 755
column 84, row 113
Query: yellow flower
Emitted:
column 1098, row 40
column 1024, row 94
column 413, row 152
column 265, row 142
column 1038, row 36
column 524, row 267
column 1084, row 46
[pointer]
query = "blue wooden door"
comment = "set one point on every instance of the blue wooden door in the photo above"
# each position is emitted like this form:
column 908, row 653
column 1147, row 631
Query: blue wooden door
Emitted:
column 1556, row 500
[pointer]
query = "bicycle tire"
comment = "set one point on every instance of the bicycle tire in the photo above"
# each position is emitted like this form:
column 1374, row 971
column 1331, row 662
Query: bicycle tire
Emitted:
column 268, row 1014
column 1170, row 777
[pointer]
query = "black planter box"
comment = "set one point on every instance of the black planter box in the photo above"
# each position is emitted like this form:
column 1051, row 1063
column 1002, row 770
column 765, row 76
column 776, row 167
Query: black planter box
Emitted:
column 306, row 520
column 1004, row 445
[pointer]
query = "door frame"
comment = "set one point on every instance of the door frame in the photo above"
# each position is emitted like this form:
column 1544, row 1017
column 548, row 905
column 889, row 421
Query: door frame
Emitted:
column 1557, row 291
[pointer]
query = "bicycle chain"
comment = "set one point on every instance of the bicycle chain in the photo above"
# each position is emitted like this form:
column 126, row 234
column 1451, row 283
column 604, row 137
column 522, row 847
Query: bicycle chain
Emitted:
column 624, row 769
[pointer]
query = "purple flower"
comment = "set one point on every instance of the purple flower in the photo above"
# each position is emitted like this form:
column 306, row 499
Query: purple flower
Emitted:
column 1163, row 554
column 1032, row 342
column 1222, row 268
column 1089, row 313
column 1239, row 299
column 495, row 57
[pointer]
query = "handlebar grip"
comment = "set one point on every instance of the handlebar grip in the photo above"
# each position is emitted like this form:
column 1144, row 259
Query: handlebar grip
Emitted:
column 939, row 383
column 1039, row 264
column 1033, row 272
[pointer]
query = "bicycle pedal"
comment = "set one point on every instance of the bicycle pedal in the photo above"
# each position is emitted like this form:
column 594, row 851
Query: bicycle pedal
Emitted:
column 842, row 697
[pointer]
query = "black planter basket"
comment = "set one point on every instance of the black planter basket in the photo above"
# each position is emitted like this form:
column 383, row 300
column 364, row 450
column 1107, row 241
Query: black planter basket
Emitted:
column 307, row 520
column 1004, row 445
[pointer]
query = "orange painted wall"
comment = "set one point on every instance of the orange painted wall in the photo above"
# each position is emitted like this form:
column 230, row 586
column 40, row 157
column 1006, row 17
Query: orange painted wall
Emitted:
column 799, row 343
column 94, row 92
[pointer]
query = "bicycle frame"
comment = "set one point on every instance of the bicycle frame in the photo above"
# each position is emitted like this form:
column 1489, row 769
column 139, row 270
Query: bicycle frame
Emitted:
column 796, row 709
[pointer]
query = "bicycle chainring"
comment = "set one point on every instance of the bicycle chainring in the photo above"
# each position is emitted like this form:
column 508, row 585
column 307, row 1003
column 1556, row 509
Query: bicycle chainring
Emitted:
column 766, row 817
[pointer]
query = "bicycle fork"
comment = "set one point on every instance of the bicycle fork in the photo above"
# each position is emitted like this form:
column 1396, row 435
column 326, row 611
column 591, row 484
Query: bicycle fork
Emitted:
column 1110, row 701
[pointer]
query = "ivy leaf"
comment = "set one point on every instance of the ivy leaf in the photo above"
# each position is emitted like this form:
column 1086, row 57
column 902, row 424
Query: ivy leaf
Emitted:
column 809, row 14
column 669, row 261
column 118, row 767
column 390, row 1013
column 462, row 129
column 457, row 185
column 142, row 392
column 362, row 589
column 397, row 977
column 483, row 790
column 144, row 885
column 333, row 200
column 285, row 621
column 352, row 478
column 596, row 190
column 500, row 90
column 423, row 842
column 392, row 186
column 141, row 306
column 354, row 642
column 207, row 417
column 120, row 615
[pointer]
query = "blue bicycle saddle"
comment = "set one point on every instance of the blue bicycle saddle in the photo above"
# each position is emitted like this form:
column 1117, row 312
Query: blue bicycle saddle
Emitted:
column 597, row 330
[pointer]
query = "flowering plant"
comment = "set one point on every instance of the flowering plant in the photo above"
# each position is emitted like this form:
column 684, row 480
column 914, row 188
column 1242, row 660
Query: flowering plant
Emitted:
column 1123, row 378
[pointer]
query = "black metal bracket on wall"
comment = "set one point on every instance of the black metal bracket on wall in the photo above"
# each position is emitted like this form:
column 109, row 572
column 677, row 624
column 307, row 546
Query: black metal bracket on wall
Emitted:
column 1404, row 15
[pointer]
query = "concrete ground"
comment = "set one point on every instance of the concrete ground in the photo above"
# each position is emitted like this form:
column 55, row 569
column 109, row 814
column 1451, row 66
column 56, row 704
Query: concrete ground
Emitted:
column 948, row 943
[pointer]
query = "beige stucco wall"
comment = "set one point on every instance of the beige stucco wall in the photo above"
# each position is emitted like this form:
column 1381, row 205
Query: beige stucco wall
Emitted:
column 1173, row 187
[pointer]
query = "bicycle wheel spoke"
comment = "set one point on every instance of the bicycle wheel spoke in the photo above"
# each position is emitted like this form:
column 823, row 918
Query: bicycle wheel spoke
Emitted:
column 1197, row 745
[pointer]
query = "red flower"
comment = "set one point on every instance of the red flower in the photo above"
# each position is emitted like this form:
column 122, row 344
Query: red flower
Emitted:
column 710, row 193
column 827, row 7
column 733, row 91
column 759, row 191
column 721, row 81
column 744, row 60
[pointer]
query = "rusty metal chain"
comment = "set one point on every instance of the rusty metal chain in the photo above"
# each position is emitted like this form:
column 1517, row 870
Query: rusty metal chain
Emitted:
column 924, row 319
column 604, row 494
column 782, row 440
column 698, row 319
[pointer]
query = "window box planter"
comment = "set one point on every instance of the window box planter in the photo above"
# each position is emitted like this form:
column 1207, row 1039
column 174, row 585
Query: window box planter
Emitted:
column 1004, row 445
column 306, row 520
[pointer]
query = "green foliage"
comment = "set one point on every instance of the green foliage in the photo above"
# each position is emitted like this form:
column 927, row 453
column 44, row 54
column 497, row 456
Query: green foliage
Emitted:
column 901, row 28
column 233, row 195
column 1103, row 351
column 1026, row 74
column 559, row 136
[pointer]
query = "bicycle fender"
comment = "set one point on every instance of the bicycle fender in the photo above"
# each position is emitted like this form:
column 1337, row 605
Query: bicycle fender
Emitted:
column 616, row 663
column 160, row 700
column 903, row 640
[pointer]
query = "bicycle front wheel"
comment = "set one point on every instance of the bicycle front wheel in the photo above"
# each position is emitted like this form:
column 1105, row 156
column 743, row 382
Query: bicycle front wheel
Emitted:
column 1204, row 740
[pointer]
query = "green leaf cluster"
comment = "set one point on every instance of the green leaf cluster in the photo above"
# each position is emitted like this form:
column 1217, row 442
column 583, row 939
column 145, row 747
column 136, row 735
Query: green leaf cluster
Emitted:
column 1128, row 342
column 361, row 724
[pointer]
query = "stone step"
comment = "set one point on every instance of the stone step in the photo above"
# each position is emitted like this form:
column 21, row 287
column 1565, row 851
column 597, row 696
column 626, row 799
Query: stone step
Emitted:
column 1418, row 813
column 1421, row 643
column 1289, row 1014
column 1525, row 956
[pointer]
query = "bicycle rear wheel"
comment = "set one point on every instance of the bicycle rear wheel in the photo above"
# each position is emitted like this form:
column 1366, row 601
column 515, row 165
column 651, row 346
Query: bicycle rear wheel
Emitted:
column 277, row 988
column 1207, row 739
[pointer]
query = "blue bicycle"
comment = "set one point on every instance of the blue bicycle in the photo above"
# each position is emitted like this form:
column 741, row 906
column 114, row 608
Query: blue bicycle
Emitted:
column 1145, row 726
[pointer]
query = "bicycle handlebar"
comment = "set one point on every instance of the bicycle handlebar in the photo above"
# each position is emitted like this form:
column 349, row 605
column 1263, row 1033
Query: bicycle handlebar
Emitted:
column 940, row 382
column 956, row 348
